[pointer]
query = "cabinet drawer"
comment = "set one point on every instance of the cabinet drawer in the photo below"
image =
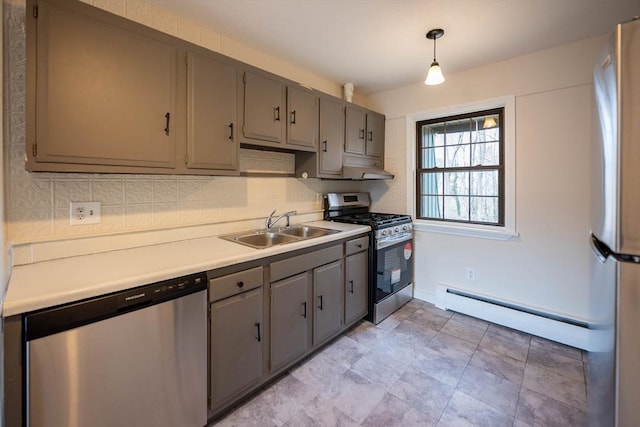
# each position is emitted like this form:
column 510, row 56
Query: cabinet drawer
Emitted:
column 233, row 284
column 300, row 263
column 356, row 245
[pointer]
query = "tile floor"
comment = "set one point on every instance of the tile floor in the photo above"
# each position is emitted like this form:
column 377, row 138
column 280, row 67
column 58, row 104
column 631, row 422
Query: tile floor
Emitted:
column 427, row 367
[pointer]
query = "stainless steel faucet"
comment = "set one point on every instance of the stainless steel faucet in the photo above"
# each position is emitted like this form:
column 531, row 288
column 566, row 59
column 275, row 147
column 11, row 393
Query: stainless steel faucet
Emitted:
column 270, row 222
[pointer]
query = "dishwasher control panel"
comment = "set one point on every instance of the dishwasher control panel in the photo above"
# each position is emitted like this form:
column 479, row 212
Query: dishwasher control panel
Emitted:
column 68, row 316
column 162, row 291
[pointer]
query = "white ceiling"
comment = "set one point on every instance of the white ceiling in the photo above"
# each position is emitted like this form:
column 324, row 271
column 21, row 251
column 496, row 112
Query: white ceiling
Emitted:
column 380, row 44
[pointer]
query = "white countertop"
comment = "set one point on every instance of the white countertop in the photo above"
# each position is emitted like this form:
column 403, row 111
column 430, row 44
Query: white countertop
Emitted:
column 50, row 283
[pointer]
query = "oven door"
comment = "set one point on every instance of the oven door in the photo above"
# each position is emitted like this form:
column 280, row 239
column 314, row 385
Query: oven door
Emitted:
column 393, row 261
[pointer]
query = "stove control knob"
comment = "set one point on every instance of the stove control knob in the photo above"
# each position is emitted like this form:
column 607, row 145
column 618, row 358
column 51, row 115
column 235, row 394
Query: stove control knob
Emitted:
column 397, row 229
column 405, row 227
column 384, row 232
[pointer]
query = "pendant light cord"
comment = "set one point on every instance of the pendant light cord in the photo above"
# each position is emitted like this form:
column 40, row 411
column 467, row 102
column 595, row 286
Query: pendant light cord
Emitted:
column 434, row 50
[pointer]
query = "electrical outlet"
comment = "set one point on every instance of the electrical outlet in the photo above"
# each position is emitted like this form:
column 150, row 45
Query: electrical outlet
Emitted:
column 83, row 213
column 471, row 273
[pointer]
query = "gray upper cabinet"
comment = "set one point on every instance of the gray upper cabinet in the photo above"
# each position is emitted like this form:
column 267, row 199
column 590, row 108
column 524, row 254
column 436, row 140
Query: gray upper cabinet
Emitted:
column 327, row 294
column 264, row 109
column 105, row 93
column 375, row 135
column 364, row 133
column 278, row 115
column 356, row 130
column 211, row 113
column 302, row 118
column 331, row 137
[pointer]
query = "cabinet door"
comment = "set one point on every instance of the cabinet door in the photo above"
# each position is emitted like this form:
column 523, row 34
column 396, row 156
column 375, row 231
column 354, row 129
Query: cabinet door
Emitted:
column 211, row 113
column 290, row 316
column 356, row 128
column 327, row 301
column 105, row 93
column 302, row 117
column 356, row 289
column 375, row 135
column 236, row 345
column 263, row 108
column 331, row 137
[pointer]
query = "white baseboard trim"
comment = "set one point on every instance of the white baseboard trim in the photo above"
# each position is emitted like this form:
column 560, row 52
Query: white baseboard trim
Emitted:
column 565, row 331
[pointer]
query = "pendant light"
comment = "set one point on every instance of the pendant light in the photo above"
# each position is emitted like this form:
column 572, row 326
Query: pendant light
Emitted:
column 434, row 76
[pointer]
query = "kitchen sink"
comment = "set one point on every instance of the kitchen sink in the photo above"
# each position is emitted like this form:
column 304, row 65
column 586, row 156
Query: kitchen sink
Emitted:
column 260, row 239
column 306, row 231
column 263, row 239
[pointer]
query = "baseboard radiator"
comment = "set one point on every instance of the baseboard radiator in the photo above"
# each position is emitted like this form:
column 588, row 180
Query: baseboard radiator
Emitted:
column 546, row 325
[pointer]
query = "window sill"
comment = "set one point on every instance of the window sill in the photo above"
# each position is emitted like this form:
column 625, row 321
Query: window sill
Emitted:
column 465, row 231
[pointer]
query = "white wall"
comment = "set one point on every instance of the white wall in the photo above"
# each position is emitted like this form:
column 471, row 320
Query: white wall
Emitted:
column 546, row 267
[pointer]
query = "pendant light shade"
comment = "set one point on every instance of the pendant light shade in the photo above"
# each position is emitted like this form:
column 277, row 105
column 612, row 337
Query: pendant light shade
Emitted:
column 434, row 75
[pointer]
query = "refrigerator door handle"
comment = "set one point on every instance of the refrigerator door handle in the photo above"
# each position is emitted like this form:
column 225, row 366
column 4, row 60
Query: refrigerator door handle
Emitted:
column 635, row 259
column 600, row 250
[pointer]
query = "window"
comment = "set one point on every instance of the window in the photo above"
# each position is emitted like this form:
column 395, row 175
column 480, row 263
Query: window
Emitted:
column 460, row 168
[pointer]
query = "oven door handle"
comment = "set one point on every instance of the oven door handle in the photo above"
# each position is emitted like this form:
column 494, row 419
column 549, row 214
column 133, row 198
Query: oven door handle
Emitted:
column 390, row 241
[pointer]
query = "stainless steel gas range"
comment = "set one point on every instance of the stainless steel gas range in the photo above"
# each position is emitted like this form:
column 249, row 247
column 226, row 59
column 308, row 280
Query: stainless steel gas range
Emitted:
column 390, row 250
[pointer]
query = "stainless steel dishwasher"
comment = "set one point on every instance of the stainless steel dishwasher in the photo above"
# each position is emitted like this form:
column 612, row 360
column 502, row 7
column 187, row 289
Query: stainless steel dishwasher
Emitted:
column 132, row 358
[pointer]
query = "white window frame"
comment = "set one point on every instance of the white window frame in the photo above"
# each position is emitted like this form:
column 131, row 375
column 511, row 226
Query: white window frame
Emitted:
column 505, row 232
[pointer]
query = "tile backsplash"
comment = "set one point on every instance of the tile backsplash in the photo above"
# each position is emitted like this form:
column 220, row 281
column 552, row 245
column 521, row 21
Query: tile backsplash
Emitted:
column 38, row 203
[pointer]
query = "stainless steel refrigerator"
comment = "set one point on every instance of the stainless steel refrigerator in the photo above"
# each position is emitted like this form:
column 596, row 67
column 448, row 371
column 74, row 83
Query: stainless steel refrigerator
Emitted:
column 613, row 379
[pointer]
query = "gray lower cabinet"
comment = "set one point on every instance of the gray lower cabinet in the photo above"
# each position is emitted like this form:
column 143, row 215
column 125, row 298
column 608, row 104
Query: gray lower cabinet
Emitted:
column 356, row 279
column 290, row 316
column 237, row 335
column 327, row 300
column 306, row 303
column 266, row 318
column 356, row 286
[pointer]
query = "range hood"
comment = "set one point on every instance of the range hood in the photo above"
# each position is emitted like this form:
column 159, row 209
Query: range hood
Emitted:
column 361, row 173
